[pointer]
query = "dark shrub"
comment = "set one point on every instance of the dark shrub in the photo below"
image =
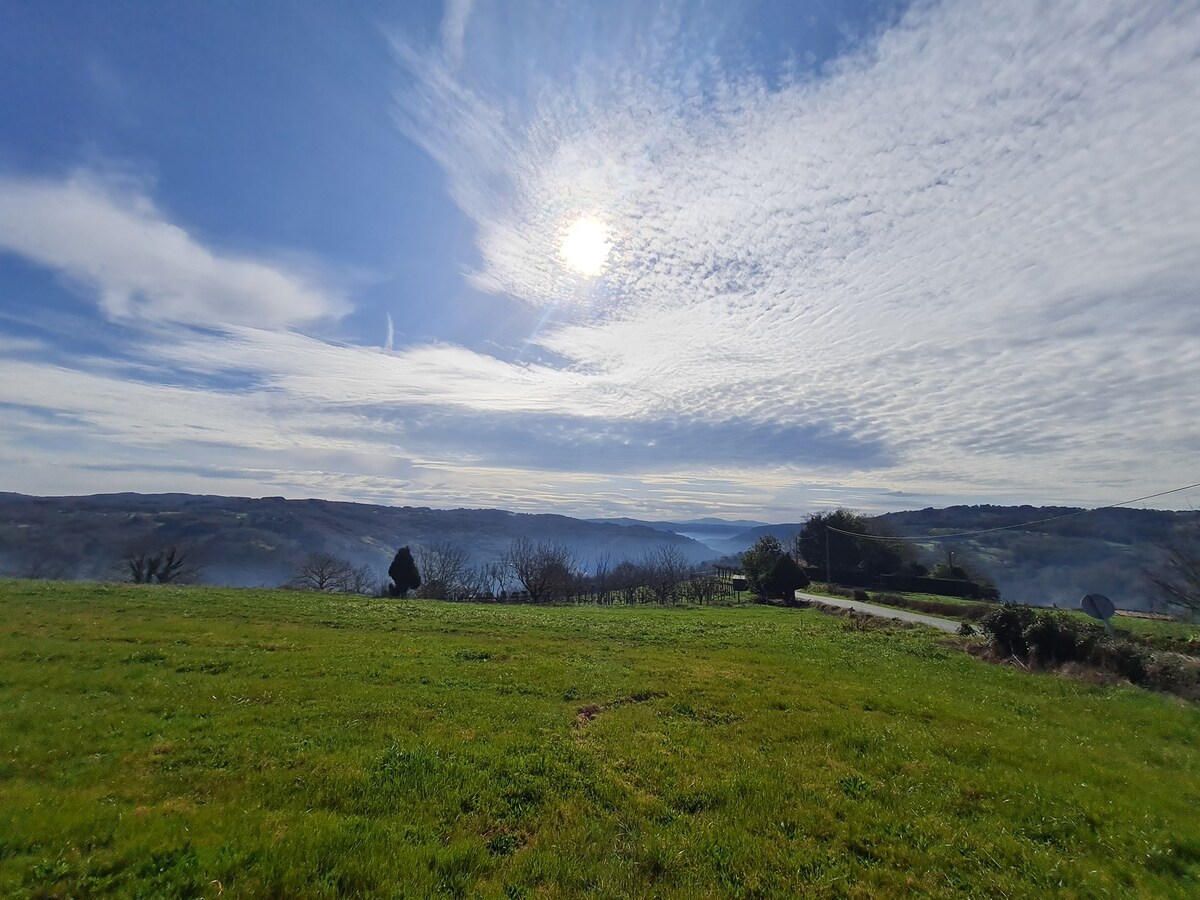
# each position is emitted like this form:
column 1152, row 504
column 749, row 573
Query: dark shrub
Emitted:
column 950, row 610
column 1123, row 657
column 862, row 596
column 1052, row 638
column 1056, row 637
column 1168, row 675
column 1006, row 627
column 758, row 562
column 975, row 612
column 835, row 590
column 784, row 578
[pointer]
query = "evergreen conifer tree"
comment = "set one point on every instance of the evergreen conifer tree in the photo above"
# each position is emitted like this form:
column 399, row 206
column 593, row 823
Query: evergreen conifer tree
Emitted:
column 404, row 574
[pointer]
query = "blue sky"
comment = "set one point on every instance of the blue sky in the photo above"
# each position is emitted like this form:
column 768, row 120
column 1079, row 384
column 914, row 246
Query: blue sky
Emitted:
column 736, row 259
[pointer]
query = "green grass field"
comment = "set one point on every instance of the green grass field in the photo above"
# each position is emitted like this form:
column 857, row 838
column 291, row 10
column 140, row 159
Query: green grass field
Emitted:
column 188, row 742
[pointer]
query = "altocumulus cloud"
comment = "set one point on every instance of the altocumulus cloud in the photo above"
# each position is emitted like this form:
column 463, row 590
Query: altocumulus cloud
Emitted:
column 976, row 236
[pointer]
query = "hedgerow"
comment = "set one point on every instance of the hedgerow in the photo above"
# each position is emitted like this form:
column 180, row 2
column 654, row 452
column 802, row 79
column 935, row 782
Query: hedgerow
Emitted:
column 1053, row 638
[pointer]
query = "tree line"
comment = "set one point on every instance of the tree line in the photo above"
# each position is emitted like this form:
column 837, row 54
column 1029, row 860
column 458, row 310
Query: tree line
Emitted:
column 549, row 572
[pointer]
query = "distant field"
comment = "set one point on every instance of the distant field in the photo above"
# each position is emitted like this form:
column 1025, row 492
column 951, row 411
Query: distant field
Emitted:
column 1174, row 634
column 1163, row 633
column 937, row 598
column 184, row 742
column 819, row 588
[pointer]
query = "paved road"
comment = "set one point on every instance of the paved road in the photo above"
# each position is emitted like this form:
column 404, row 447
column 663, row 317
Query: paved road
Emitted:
column 948, row 625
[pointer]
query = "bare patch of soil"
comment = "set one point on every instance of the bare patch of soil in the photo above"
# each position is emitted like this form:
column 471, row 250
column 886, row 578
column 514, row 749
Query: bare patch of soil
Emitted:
column 586, row 714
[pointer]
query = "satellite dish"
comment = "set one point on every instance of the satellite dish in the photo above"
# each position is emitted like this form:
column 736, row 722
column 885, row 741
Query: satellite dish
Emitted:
column 1098, row 607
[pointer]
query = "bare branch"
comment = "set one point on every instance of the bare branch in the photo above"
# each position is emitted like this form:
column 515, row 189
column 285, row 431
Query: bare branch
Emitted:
column 543, row 569
column 162, row 567
column 331, row 575
column 1178, row 581
column 443, row 568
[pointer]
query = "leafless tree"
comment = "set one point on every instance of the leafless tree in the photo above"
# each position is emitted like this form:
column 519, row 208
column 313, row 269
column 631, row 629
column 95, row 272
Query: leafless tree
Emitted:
column 703, row 589
column 364, row 580
column 627, row 580
column 1178, row 578
column 162, row 567
column 499, row 578
column 475, row 584
column 443, row 566
column 602, row 577
column 665, row 568
column 542, row 568
column 332, row 575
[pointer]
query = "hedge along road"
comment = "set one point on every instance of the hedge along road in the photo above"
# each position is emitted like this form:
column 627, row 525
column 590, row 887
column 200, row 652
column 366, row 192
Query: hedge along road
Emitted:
column 886, row 612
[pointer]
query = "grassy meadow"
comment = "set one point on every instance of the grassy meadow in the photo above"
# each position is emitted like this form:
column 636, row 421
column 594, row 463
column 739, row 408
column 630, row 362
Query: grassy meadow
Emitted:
column 199, row 742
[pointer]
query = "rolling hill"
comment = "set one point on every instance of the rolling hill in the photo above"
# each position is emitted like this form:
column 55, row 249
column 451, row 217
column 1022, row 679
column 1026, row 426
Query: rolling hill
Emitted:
column 251, row 542
column 1107, row 551
column 240, row 541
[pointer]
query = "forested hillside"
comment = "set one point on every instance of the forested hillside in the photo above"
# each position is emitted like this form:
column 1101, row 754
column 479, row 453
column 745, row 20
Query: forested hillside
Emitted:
column 1105, row 551
column 251, row 542
column 1077, row 552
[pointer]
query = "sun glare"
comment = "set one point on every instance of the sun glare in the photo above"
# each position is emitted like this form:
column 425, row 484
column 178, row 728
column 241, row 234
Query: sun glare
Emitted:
column 585, row 246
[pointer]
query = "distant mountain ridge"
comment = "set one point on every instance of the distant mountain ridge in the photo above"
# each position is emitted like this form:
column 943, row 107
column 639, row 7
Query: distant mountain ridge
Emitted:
column 706, row 522
column 744, row 540
column 249, row 542
column 717, row 534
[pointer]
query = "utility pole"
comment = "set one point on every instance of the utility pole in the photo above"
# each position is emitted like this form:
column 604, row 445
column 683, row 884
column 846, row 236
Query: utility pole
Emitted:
column 828, row 576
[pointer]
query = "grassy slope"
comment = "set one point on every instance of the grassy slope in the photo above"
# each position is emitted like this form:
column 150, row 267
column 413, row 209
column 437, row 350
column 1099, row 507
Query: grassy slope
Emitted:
column 1179, row 634
column 180, row 741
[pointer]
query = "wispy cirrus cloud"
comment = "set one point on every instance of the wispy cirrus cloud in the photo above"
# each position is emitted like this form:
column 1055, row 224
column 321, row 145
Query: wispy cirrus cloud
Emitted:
column 113, row 240
column 454, row 29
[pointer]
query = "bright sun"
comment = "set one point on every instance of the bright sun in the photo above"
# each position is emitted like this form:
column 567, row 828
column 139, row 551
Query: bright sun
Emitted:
column 585, row 246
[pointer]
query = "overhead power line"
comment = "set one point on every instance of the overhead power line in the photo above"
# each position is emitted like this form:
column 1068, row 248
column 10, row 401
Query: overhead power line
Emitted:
column 960, row 534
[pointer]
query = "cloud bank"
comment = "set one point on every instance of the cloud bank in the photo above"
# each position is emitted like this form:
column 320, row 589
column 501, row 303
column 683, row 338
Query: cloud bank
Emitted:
column 114, row 241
